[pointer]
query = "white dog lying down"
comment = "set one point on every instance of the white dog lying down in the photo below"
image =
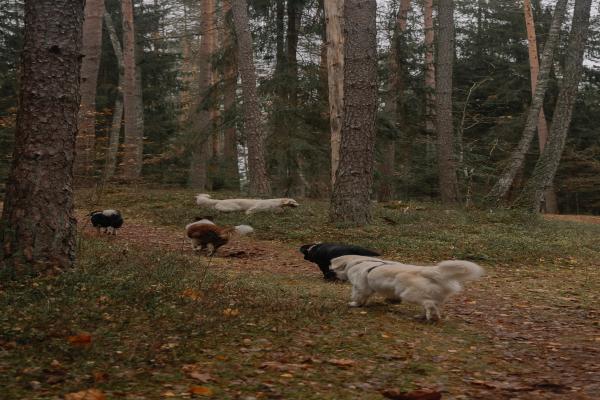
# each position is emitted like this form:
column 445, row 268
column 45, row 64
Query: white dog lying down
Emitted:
column 248, row 205
column 426, row 286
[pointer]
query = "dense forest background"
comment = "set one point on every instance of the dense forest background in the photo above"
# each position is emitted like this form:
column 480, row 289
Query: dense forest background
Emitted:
column 491, row 96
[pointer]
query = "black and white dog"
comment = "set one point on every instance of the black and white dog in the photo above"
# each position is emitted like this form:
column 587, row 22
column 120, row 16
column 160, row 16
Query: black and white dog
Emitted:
column 107, row 219
column 322, row 254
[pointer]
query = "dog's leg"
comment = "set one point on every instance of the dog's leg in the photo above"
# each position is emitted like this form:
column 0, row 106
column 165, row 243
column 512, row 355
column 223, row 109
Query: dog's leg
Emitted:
column 211, row 249
column 431, row 310
column 359, row 298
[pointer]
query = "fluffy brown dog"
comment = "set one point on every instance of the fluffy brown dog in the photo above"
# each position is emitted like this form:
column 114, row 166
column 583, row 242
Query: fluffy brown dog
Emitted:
column 211, row 236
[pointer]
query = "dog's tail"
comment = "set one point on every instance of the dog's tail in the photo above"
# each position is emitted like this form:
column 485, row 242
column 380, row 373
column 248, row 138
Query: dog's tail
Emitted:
column 243, row 229
column 460, row 270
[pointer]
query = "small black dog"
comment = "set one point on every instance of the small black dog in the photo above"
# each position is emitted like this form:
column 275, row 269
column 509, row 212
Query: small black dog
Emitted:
column 107, row 219
column 322, row 254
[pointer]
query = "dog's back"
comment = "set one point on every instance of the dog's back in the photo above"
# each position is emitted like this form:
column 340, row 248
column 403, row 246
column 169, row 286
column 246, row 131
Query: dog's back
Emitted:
column 205, row 234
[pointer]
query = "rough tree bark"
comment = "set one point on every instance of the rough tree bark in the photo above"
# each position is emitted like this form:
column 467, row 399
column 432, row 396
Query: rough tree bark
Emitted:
column 517, row 157
column 92, row 49
column 448, row 181
column 350, row 201
column 230, row 155
column 334, row 25
column 132, row 166
column 546, row 166
column 258, row 183
column 115, row 129
column 38, row 225
column 429, row 66
column 534, row 69
column 394, row 105
column 202, row 124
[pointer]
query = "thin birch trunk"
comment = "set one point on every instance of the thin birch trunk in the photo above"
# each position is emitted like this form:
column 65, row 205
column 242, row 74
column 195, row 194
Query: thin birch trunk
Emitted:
column 517, row 157
column 547, row 165
column 429, row 66
column 115, row 130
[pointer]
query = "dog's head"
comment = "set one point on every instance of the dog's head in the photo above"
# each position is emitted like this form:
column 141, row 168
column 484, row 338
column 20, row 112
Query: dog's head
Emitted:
column 306, row 250
column 289, row 203
column 341, row 265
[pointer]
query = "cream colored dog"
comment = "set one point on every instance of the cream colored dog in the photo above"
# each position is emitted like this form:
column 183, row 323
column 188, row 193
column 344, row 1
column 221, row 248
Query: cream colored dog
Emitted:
column 248, row 205
column 426, row 286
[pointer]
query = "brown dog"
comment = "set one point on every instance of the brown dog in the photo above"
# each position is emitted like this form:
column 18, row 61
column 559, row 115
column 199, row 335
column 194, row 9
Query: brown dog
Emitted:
column 211, row 237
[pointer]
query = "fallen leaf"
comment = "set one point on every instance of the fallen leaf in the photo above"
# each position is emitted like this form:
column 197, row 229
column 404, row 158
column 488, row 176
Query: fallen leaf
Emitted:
column 100, row 376
column 82, row 338
column 396, row 394
column 231, row 312
column 168, row 393
column 201, row 376
column 192, row 294
column 89, row 394
column 341, row 362
column 201, row 391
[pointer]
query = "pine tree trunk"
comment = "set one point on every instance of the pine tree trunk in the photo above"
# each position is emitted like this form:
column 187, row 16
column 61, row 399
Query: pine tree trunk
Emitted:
column 38, row 225
column 202, row 124
column 448, row 181
column 258, row 183
column 131, row 167
column 92, row 49
column 115, row 130
column 534, row 68
column 334, row 25
column 547, row 164
column 394, row 106
column 500, row 189
column 350, row 201
column 230, row 153
column 429, row 66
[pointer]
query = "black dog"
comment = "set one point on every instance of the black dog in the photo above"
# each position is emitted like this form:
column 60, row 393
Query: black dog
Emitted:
column 107, row 219
column 322, row 254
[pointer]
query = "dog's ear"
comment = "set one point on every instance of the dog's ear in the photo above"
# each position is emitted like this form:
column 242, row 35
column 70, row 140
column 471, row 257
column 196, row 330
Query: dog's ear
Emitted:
column 304, row 248
column 338, row 263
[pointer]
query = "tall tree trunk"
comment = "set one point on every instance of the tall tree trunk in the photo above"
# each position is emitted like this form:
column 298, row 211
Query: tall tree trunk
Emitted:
column 38, row 225
column 334, row 25
column 131, row 147
column 202, row 124
column 258, row 183
column 448, row 181
column 429, row 66
column 547, row 164
column 230, row 152
column 115, row 130
column 515, row 162
column 92, row 49
column 350, row 201
column 394, row 105
column 534, row 68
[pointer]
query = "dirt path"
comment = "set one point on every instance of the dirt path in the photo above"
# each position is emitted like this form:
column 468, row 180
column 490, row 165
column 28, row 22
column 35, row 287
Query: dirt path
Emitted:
column 543, row 350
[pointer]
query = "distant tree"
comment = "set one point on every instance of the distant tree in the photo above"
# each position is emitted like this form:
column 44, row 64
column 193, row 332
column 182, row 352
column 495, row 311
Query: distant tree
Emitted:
column 132, row 145
column 38, row 225
column 92, row 48
column 258, row 183
column 518, row 155
column 230, row 75
column 394, row 105
column 547, row 164
column 429, row 66
column 448, row 181
column 534, row 68
column 117, row 118
column 350, row 201
column 334, row 25
column 202, row 124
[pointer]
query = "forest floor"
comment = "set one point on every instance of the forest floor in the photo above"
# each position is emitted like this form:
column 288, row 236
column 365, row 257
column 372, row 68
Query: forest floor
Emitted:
column 142, row 317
